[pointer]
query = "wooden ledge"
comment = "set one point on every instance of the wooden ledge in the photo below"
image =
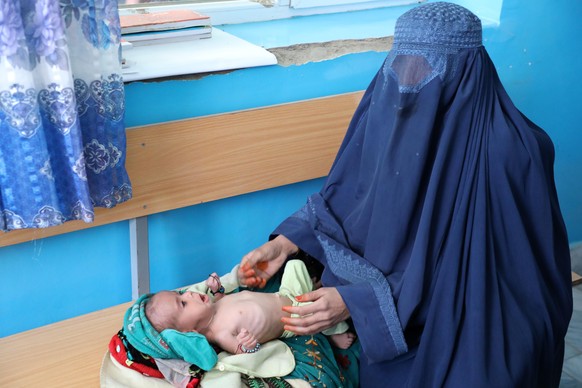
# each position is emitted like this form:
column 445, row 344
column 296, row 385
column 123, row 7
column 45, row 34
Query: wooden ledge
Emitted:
column 183, row 163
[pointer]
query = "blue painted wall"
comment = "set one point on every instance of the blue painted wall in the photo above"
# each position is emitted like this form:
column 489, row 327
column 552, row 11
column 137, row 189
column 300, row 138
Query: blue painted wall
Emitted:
column 536, row 48
column 213, row 237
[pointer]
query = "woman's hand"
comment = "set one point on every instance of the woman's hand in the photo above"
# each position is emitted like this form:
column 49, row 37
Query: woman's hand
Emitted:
column 328, row 309
column 260, row 264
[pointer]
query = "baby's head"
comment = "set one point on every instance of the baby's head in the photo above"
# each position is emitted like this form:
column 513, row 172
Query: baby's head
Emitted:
column 182, row 311
column 171, row 333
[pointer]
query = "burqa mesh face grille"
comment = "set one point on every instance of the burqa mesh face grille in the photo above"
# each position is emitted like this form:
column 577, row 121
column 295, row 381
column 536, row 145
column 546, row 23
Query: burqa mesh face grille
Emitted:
column 426, row 40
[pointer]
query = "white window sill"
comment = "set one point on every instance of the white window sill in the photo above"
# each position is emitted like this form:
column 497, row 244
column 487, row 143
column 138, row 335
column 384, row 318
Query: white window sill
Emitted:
column 221, row 52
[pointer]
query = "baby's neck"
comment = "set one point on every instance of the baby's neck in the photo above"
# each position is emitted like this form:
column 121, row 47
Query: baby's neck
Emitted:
column 206, row 330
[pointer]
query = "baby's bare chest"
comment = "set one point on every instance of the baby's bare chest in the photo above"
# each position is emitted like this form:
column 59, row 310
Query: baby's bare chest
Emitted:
column 255, row 312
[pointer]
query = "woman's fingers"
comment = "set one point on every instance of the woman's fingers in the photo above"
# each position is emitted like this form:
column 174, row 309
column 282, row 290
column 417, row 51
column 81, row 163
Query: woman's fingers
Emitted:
column 306, row 325
column 306, row 321
column 249, row 273
column 248, row 262
column 305, row 310
column 299, row 330
column 326, row 310
column 252, row 271
column 252, row 282
column 260, row 264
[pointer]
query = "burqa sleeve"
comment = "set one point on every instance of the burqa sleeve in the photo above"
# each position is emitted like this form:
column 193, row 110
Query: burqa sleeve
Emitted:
column 364, row 289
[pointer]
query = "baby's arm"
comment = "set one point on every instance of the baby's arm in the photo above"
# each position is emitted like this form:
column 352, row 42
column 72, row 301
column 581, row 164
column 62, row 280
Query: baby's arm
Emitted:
column 229, row 281
column 243, row 342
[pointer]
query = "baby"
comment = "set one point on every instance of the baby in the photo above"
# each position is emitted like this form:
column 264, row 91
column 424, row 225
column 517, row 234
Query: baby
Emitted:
column 238, row 322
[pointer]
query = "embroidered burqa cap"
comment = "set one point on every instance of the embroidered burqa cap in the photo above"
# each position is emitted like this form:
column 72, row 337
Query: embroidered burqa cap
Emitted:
column 169, row 344
column 439, row 222
column 439, row 24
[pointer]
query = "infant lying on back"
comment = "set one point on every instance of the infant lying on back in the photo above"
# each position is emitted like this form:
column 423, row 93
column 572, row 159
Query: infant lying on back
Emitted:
column 239, row 322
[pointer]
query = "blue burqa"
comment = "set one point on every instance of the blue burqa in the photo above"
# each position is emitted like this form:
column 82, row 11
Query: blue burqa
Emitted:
column 439, row 222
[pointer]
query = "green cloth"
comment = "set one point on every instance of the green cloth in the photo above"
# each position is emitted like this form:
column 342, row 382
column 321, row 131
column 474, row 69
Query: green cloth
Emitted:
column 191, row 347
column 323, row 365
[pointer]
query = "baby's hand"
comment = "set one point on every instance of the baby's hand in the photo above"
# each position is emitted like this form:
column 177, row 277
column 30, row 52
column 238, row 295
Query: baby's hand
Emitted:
column 247, row 342
column 213, row 283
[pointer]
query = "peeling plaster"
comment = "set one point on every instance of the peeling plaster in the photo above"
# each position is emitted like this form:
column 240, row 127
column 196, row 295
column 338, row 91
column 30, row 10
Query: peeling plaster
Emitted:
column 300, row 54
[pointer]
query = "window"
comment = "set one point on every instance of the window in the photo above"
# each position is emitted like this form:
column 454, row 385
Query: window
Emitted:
column 223, row 12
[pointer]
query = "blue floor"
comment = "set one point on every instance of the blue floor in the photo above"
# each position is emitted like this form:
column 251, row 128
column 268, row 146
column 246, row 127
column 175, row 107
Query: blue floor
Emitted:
column 572, row 372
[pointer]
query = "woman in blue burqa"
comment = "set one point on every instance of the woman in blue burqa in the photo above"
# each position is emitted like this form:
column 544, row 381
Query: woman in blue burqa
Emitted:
column 438, row 225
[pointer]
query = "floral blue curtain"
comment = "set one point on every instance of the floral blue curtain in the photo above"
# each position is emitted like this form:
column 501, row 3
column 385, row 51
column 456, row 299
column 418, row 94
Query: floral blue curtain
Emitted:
column 62, row 131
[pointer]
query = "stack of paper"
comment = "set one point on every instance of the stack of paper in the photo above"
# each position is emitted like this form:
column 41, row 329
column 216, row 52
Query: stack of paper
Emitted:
column 163, row 27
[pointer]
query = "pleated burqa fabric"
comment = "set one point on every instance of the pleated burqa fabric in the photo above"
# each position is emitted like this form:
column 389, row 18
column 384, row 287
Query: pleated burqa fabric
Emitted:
column 439, row 221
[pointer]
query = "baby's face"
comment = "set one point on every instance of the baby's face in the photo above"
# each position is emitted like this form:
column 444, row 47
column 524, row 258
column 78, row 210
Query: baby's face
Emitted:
column 189, row 311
